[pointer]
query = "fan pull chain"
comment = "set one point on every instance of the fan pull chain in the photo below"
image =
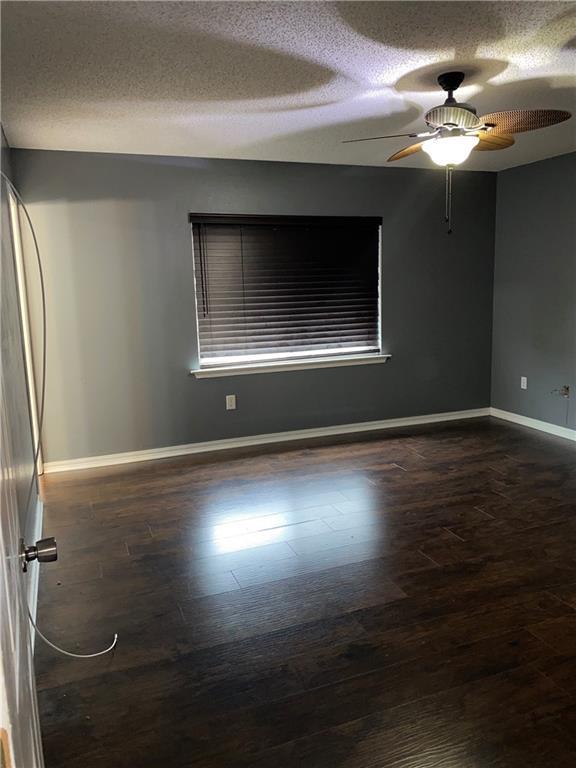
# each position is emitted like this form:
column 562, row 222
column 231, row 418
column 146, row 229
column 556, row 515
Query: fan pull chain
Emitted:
column 448, row 214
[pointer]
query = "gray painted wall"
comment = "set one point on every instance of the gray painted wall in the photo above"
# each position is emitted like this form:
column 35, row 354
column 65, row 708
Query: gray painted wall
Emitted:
column 115, row 238
column 535, row 290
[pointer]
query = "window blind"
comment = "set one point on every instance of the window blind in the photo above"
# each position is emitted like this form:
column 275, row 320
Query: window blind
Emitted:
column 277, row 289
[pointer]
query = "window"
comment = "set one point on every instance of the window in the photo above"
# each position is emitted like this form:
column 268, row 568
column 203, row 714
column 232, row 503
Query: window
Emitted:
column 285, row 289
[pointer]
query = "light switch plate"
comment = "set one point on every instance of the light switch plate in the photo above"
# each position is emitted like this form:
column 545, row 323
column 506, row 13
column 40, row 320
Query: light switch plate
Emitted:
column 523, row 382
column 230, row 402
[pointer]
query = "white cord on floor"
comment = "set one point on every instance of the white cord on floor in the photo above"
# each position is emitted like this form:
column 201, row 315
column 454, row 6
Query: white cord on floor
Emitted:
column 18, row 197
column 69, row 653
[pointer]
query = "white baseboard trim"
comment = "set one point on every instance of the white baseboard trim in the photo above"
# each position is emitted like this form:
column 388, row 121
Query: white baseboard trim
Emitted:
column 34, row 567
column 131, row 457
column 543, row 426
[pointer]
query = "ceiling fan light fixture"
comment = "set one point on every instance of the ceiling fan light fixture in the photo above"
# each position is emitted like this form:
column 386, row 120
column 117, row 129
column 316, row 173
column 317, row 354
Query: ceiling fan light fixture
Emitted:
column 450, row 150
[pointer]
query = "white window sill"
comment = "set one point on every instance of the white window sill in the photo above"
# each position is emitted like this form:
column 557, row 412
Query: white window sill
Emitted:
column 301, row 365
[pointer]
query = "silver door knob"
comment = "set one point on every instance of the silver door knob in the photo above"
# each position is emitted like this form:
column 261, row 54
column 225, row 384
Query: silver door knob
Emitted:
column 45, row 551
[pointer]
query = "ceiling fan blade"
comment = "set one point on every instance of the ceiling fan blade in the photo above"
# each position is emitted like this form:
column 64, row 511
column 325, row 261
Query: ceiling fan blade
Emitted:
column 406, row 152
column 493, row 140
column 375, row 138
column 519, row 120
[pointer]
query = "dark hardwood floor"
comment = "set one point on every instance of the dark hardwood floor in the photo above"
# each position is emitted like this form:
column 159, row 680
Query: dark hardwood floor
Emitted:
column 405, row 600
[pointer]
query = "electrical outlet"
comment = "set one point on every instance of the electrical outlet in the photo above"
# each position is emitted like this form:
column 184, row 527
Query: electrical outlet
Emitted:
column 523, row 382
column 230, row 402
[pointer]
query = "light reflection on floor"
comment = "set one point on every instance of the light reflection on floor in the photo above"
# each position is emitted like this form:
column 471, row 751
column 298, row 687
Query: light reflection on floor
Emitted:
column 284, row 517
column 232, row 527
column 250, row 540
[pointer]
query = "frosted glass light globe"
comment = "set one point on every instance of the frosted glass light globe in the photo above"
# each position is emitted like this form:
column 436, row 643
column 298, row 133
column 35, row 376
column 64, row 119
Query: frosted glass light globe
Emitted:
column 450, row 150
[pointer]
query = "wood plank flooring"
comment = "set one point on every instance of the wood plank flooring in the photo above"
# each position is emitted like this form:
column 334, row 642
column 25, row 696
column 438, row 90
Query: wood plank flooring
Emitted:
column 404, row 600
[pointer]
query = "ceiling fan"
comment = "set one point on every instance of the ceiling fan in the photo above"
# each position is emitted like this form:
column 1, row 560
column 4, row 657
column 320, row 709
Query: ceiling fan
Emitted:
column 454, row 130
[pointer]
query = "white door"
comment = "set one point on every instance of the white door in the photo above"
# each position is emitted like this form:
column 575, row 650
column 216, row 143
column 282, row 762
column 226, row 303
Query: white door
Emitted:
column 19, row 724
column 18, row 709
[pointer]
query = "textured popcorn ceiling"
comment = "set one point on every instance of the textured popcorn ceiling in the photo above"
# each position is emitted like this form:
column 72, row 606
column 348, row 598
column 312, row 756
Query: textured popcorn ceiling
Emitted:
column 276, row 80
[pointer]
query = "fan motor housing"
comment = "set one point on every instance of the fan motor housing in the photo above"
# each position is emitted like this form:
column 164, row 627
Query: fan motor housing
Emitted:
column 458, row 114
